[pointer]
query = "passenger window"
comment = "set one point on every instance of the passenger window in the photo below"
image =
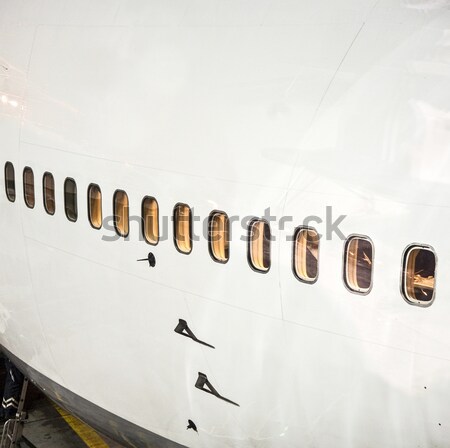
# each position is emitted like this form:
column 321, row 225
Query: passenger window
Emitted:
column 306, row 254
column 358, row 264
column 182, row 228
column 10, row 182
column 70, row 199
column 419, row 275
column 49, row 193
column 28, row 187
column 259, row 245
column 121, row 213
column 95, row 206
column 150, row 220
column 219, row 236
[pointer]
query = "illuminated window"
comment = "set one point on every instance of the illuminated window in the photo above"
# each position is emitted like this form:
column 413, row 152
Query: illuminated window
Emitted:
column 306, row 254
column 70, row 199
column 358, row 264
column 219, row 237
column 49, row 193
column 259, row 245
column 10, row 182
column 121, row 213
column 150, row 220
column 28, row 187
column 182, row 220
column 95, row 206
column 419, row 275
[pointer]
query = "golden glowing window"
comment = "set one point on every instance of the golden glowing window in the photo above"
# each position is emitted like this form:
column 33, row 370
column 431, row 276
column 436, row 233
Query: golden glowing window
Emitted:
column 70, row 199
column 218, row 235
column 358, row 264
column 10, row 182
column 95, row 206
column 306, row 254
column 150, row 220
column 259, row 245
column 121, row 213
column 28, row 187
column 48, row 183
column 419, row 275
column 182, row 220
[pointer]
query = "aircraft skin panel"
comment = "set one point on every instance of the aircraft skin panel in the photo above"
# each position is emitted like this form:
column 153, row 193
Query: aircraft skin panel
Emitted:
column 309, row 109
column 106, row 422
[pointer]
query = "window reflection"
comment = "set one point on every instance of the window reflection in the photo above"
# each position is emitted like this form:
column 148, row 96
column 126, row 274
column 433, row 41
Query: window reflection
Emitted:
column 28, row 187
column 95, row 206
column 359, row 264
column 70, row 199
column 182, row 228
column 121, row 213
column 219, row 236
column 10, row 182
column 49, row 193
column 150, row 220
column 306, row 254
column 259, row 245
column 419, row 274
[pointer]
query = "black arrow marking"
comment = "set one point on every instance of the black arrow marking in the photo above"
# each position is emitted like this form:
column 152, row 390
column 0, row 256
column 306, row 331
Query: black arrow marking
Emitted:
column 183, row 329
column 204, row 385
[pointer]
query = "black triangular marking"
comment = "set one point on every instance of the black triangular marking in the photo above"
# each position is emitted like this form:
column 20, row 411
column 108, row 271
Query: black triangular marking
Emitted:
column 183, row 329
column 203, row 384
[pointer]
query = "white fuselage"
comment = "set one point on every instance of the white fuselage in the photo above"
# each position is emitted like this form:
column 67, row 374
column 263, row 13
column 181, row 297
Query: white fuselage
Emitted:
column 236, row 106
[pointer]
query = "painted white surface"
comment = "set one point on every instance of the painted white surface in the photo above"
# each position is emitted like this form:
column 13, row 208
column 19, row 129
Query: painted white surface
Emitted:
column 237, row 106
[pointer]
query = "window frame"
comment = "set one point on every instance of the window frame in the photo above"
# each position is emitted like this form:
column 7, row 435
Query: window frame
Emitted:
column 10, row 164
column 91, row 185
column 344, row 264
column 44, row 196
column 114, row 213
column 210, row 248
column 71, row 179
column 175, row 228
column 143, row 228
column 294, row 246
column 24, row 188
column 405, row 254
column 249, row 245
